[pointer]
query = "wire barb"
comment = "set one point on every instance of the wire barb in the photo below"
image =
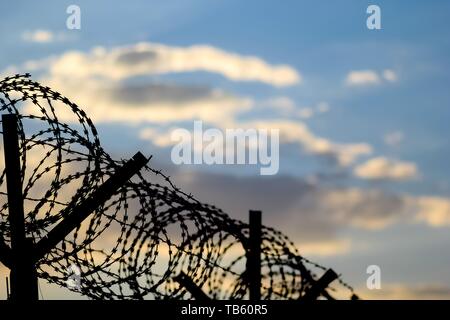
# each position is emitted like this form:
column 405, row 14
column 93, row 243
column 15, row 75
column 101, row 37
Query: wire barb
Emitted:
column 146, row 233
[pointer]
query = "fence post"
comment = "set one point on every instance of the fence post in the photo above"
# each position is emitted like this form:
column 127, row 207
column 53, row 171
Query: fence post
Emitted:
column 23, row 275
column 7, row 288
column 254, row 256
column 23, row 255
column 184, row 280
column 320, row 285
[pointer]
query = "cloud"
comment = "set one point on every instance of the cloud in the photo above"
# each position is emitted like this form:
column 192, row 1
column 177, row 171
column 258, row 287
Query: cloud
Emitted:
column 305, row 113
column 394, row 139
column 322, row 107
column 390, row 75
column 363, row 77
column 325, row 248
column 297, row 132
column 434, row 211
column 156, row 103
column 161, row 139
column 285, row 106
column 400, row 291
column 381, row 168
column 313, row 214
column 152, row 59
column 370, row 209
column 99, row 76
column 370, row 77
column 281, row 103
column 309, row 112
column 42, row 36
column 95, row 80
column 290, row 132
column 374, row 209
column 238, row 194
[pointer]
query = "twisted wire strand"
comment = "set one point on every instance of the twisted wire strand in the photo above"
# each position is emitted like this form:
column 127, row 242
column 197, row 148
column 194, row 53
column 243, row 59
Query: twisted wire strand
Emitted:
column 134, row 245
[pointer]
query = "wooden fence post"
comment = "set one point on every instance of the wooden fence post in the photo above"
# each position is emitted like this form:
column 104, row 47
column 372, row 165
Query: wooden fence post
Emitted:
column 184, row 280
column 254, row 255
column 22, row 256
column 320, row 285
column 23, row 275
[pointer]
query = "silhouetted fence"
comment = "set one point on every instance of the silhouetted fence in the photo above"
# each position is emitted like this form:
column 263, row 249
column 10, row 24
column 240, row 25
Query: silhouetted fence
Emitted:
column 132, row 233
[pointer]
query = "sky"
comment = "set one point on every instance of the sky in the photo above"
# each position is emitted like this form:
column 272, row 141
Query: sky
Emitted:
column 363, row 177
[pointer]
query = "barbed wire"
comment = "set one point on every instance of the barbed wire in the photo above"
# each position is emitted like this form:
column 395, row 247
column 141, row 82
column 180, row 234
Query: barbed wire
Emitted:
column 134, row 245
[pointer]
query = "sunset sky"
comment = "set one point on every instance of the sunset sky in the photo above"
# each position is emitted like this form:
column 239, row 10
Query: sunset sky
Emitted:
column 363, row 114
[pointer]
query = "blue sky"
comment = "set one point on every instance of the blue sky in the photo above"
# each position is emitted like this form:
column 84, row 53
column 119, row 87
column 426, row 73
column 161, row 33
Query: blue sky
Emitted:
column 396, row 220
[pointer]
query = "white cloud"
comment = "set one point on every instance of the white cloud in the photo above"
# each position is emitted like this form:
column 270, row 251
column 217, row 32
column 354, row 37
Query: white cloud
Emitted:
column 374, row 209
column 390, row 75
column 370, row 77
column 324, row 248
column 393, row 139
column 40, row 36
column 97, row 76
column 290, row 132
column 365, row 209
column 161, row 139
column 323, row 107
column 381, row 168
column 150, row 103
column 401, row 291
column 282, row 103
column 314, row 214
column 297, row 132
column 94, row 81
column 309, row 112
column 285, row 106
column 43, row 36
column 435, row 211
column 150, row 58
column 305, row 113
column 362, row 77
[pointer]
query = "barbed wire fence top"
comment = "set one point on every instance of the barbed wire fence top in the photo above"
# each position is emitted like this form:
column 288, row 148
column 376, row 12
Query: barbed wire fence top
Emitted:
column 148, row 233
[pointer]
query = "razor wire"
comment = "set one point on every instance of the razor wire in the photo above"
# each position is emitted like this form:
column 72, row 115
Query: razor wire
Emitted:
column 149, row 231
